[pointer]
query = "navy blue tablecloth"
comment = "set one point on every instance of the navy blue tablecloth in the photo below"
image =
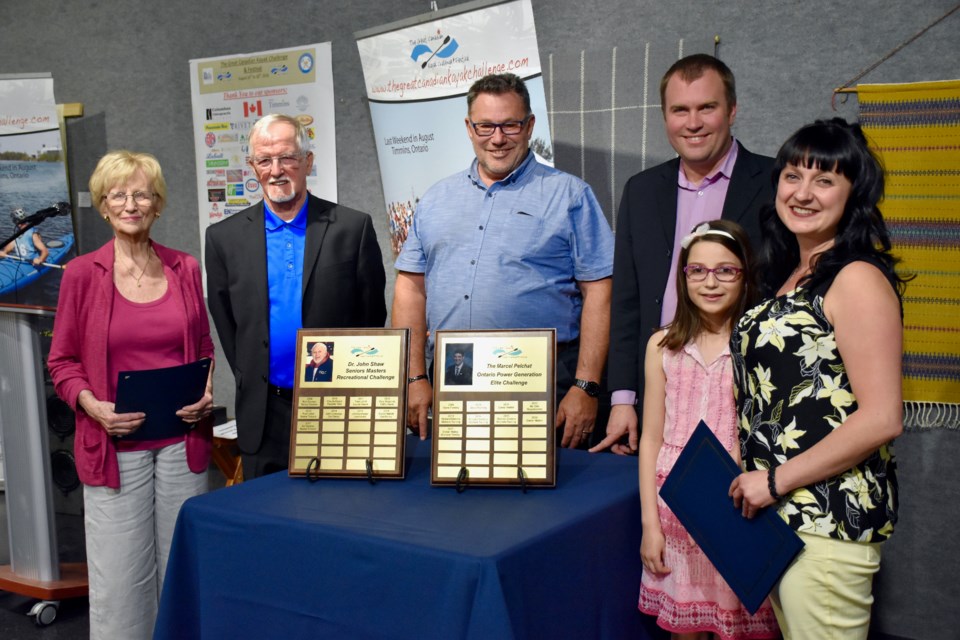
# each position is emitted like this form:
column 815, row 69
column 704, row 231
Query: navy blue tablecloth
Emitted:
column 280, row 557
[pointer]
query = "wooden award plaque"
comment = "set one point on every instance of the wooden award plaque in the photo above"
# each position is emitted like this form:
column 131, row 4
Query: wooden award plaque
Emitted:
column 494, row 408
column 349, row 403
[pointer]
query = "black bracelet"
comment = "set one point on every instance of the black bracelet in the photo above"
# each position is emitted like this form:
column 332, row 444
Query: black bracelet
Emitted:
column 772, row 483
column 422, row 376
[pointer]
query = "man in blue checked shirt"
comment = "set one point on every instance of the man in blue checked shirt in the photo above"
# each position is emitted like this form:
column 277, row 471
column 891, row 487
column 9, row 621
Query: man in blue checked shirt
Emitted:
column 509, row 243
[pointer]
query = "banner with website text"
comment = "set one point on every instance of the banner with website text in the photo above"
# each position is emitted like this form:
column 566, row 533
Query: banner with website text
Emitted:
column 36, row 228
column 417, row 78
column 230, row 93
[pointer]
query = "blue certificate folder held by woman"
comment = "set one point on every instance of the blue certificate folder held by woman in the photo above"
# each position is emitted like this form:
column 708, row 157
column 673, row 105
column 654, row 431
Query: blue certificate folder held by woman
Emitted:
column 160, row 393
column 751, row 555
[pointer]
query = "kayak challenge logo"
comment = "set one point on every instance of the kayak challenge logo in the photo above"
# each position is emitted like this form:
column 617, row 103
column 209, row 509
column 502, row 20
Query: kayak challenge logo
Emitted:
column 436, row 46
column 364, row 352
column 507, row 352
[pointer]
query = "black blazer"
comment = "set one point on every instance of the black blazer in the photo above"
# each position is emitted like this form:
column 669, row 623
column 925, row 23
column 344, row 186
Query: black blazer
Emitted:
column 343, row 285
column 643, row 253
column 465, row 377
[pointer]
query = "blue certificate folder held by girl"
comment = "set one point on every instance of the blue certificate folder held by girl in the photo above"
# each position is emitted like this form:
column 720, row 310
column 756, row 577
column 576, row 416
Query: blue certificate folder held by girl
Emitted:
column 751, row 555
column 160, row 393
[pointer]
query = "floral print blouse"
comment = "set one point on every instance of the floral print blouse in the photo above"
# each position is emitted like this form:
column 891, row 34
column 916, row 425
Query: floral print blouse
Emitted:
column 792, row 390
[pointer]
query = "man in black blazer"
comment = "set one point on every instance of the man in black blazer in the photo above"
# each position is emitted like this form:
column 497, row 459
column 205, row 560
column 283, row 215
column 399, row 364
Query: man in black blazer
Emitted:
column 289, row 262
column 714, row 176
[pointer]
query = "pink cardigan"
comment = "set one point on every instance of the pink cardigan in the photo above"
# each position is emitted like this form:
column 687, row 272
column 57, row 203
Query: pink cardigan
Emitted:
column 78, row 353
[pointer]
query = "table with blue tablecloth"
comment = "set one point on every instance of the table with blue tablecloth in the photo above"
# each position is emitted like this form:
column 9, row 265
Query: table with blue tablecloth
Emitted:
column 281, row 557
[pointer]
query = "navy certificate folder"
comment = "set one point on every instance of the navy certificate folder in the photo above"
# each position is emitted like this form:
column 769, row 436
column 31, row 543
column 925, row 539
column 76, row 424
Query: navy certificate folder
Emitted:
column 751, row 555
column 160, row 393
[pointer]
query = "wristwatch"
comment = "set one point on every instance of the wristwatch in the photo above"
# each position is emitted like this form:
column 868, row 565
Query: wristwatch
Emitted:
column 591, row 388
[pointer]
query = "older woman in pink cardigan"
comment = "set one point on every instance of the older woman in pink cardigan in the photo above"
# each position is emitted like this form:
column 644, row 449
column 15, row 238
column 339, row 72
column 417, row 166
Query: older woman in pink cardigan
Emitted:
column 130, row 305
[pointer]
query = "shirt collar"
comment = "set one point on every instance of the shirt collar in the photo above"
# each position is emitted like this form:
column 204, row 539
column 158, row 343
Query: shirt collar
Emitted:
column 693, row 351
column 272, row 222
column 723, row 170
column 515, row 175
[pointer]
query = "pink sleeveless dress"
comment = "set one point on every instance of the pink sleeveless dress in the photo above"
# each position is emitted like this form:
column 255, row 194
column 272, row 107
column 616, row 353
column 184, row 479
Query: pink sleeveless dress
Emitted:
column 693, row 597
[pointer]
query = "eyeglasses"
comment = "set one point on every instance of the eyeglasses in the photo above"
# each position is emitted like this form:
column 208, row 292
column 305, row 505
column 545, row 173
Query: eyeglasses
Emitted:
column 266, row 162
column 699, row 273
column 487, row 129
column 119, row 198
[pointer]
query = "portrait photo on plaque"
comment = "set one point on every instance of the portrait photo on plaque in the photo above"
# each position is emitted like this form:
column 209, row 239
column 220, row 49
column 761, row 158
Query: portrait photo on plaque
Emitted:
column 349, row 403
column 494, row 408
column 320, row 365
column 459, row 360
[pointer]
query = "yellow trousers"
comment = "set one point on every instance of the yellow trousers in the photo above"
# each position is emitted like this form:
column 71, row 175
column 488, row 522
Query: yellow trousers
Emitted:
column 826, row 593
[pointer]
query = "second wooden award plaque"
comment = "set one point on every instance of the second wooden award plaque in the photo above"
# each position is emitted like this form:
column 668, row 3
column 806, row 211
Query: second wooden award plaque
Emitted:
column 493, row 408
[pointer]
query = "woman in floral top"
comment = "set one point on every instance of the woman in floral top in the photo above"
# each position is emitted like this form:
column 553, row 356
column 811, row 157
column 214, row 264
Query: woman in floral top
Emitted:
column 817, row 377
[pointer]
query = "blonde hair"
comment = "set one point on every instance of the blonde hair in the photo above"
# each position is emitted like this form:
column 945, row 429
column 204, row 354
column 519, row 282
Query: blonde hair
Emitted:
column 117, row 167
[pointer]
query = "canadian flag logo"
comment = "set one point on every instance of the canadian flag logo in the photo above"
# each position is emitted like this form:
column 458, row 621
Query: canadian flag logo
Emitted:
column 252, row 109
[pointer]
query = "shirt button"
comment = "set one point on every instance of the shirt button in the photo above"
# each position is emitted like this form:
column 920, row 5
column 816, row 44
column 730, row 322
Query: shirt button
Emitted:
column 657, row 300
column 473, row 262
column 289, row 266
column 481, row 227
column 669, row 252
column 289, row 245
column 699, row 193
column 466, row 297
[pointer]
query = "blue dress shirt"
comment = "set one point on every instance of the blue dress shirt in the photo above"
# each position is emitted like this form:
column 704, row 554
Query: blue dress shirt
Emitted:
column 285, row 242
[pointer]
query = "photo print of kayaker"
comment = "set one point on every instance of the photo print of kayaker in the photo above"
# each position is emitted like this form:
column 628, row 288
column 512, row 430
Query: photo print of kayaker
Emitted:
column 34, row 203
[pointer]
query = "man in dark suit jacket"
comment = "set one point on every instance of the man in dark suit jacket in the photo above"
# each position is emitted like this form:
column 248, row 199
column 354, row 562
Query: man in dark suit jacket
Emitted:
column 459, row 372
column 292, row 261
column 714, row 176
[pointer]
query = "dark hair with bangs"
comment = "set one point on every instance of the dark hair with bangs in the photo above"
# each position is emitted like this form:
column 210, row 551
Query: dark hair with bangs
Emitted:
column 687, row 323
column 830, row 145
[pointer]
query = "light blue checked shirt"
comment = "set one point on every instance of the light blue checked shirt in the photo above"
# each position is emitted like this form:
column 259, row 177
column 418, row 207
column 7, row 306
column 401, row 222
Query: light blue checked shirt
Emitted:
column 508, row 256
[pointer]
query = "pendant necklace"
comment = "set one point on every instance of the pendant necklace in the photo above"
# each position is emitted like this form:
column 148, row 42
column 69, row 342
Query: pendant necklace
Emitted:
column 133, row 268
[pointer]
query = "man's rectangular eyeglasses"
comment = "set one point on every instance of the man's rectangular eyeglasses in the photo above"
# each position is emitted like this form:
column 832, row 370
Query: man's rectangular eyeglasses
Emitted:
column 487, row 129
column 699, row 273
column 118, row 198
column 266, row 162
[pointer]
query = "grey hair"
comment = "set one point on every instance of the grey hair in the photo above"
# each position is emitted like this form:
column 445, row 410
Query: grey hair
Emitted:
column 300, row 132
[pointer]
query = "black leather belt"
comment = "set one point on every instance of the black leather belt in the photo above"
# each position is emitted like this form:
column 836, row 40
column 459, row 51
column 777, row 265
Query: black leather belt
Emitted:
column 280, row 392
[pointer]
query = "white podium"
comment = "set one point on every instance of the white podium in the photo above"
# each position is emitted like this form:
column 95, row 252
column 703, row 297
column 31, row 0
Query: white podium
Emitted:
column 34, row 569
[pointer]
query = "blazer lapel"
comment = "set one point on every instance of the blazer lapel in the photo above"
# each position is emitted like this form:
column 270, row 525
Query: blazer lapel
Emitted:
column 745, row 184
column 666, row 200
column 252, row 249
column 319, row 216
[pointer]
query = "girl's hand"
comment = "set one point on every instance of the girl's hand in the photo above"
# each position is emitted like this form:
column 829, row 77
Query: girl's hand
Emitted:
column 750, row 492
column 651, row 552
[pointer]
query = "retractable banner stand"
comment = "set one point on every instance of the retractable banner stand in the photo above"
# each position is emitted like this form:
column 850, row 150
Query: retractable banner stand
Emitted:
column 34, row 195
column 37, row 240
column 417, row 75
column 230, row 93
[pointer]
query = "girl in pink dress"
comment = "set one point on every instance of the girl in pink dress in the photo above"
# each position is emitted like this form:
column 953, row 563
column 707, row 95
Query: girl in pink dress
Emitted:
column 689, row 377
